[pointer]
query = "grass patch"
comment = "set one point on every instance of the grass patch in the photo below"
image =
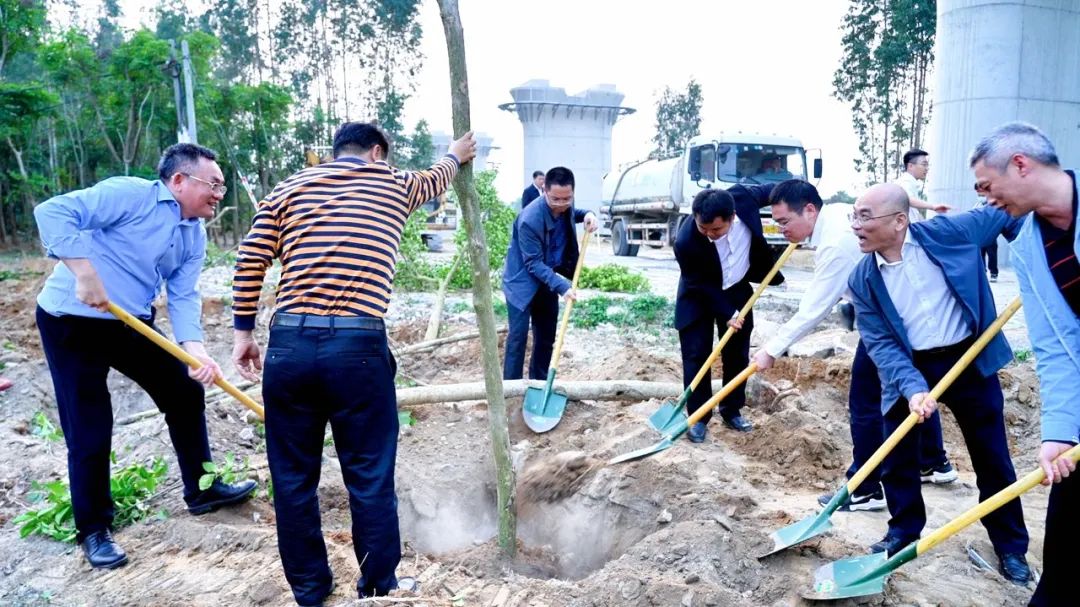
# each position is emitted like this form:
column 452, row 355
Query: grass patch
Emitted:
column 639, row 311
column 613, row 278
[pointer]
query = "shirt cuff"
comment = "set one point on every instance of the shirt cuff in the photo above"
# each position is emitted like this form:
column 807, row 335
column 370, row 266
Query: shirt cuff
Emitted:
column 454, row 158
column 244, row 322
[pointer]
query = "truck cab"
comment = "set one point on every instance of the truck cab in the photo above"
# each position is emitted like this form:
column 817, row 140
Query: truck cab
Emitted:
column 646, row 202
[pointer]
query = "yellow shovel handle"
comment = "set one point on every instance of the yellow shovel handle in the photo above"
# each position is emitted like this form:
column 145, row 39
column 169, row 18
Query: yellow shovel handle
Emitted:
column 570, row 304
column 179, row 352
column 728, row 388
column 939, row 389
column 742, row 314
column 992, row 503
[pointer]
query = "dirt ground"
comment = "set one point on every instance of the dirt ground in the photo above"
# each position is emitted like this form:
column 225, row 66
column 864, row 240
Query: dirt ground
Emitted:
column 679, row 528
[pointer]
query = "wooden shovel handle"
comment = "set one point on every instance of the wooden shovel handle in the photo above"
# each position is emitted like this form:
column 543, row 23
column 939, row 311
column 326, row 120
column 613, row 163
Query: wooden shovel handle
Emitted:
column 992, row 503
column 742, row 314
column 565, row 322
column 179, row 352
column 939, row 389
column 728, row 388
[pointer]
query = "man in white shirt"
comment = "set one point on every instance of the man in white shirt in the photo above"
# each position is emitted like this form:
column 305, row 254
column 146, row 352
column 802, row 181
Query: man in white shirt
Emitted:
column 913, row 180
column 798, row 209
column 720, row 251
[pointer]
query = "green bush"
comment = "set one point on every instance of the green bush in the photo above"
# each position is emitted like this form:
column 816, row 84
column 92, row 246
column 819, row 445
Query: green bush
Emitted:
column 228, row 472
column 131, row 487
column 639, row 311
column 613, row 278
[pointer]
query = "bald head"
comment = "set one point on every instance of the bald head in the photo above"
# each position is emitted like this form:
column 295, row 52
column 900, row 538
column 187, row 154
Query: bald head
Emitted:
column 881, row 219
column 886, row 198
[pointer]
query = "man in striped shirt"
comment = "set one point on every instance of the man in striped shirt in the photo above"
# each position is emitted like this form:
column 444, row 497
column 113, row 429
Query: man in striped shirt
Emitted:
column 336, row 229
column 1017, row 169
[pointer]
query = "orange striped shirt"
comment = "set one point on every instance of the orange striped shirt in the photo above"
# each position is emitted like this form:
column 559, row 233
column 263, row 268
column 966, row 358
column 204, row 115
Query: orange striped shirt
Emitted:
column 336, row 228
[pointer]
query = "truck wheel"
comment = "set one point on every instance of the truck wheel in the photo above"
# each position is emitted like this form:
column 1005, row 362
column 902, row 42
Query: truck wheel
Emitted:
column 619, row 245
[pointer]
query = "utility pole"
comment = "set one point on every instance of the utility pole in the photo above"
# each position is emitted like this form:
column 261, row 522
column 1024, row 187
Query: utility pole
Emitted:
column 173, row 68
column 189, row 90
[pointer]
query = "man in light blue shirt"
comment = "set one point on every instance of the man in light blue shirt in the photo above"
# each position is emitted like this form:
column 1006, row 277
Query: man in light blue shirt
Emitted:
column 119, row 241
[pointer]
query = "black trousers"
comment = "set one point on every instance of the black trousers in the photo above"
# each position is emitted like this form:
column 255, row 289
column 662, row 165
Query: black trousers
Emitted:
column 543, row 311
column 978, row 405
column 80, row 351
column 696, row 342
column 313, row 376
column 1056, row 588
column 867, row 426
column 991, row 254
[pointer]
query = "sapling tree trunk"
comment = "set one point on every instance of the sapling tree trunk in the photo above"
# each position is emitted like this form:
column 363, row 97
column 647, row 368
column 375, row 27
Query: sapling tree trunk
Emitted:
column 481, row 271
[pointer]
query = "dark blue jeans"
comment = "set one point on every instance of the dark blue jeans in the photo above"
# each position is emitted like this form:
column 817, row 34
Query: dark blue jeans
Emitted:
column 696, row 344
column 1056, row 588
column 978, row 405
column 345, row 377
column 543, row 310
column 867, row 426
column 80, row 351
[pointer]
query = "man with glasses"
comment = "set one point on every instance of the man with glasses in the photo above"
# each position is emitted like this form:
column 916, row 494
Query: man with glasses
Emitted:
column 118, row 241
column 913, row 180
column 922, row 300
column 798, row 209
column 1017, row 170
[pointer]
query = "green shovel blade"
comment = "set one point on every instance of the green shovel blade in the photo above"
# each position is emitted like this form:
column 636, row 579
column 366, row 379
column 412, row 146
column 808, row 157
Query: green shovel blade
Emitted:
column 857, row 576
column 543, row 409
column 808, row 527
column 669, row 415
column 676, row 429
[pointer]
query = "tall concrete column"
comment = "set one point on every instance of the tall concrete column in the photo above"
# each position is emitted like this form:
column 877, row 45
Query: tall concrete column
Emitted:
column 441, row 142
column 568, row 130
column 999, row 61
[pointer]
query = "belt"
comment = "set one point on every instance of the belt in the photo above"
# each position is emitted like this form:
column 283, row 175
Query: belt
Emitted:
column 284, row 319
column 959, row 346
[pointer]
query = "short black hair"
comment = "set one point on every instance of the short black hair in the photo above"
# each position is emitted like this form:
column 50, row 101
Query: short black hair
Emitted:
column 710, row 204
column 559, row 176
column 537, row 174
column 181, row 157
column 912, row 154
column 358, row 138
column 796, row 194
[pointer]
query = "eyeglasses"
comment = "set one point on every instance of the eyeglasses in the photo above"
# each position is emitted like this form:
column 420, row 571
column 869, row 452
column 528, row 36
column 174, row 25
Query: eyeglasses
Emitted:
column 217, row 188
column 858, row 220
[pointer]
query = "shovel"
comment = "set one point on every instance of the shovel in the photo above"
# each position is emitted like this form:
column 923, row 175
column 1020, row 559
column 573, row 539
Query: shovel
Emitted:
column 543, row 409
column 812, row 526
column 680, row 425
column 179, row 352
column 668, row 415
column 866, row 575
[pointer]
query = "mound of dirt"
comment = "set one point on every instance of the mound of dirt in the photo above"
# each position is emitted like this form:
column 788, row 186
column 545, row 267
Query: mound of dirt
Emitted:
column 633, row 363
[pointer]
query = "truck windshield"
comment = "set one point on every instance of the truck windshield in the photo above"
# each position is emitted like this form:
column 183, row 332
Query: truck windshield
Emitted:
column 757, row 163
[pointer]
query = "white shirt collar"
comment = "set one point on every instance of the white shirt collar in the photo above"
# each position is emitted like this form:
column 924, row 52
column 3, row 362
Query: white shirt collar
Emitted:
column 734, row 220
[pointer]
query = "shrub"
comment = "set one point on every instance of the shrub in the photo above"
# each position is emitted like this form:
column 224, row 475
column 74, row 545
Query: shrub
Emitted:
column 613, row 278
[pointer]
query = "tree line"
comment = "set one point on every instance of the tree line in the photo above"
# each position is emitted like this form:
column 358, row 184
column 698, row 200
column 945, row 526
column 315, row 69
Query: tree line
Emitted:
column 82, row 98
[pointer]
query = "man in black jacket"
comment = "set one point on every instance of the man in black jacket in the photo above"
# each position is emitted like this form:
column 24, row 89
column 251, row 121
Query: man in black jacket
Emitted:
column 720, row 252
column 534, row 190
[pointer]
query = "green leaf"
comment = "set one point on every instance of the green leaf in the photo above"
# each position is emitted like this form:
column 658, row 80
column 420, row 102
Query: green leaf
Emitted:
column 210, row 467
column 205, row 481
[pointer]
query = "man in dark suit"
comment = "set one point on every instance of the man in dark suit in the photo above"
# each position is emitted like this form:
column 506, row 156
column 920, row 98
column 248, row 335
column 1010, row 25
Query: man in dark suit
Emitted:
column 534, row 190
column 539, row 264
column 922, row 299
column 720, row 252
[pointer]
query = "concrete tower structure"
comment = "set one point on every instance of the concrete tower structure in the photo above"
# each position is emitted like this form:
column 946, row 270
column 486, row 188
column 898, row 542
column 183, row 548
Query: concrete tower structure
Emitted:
column 568, row 130
column 999, row 61
column 441, row 142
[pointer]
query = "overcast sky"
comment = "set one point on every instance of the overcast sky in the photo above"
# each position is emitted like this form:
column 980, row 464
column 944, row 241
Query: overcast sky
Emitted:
column 763, row 67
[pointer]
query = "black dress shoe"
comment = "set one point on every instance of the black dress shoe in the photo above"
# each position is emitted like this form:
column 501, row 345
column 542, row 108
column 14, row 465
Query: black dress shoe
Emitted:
column 697, row 432
column 1015, row 568
column 102, row 551
column 219, row 494
column 890, row 544
column 739, row 423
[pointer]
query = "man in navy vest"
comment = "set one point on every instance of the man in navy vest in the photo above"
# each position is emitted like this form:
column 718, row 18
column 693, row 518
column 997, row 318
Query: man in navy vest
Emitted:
column 720, row 251
column 921, row 300
column 1017, row 169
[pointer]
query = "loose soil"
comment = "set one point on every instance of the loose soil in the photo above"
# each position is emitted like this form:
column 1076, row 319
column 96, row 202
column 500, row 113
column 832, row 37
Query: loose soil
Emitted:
column 678, row 528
